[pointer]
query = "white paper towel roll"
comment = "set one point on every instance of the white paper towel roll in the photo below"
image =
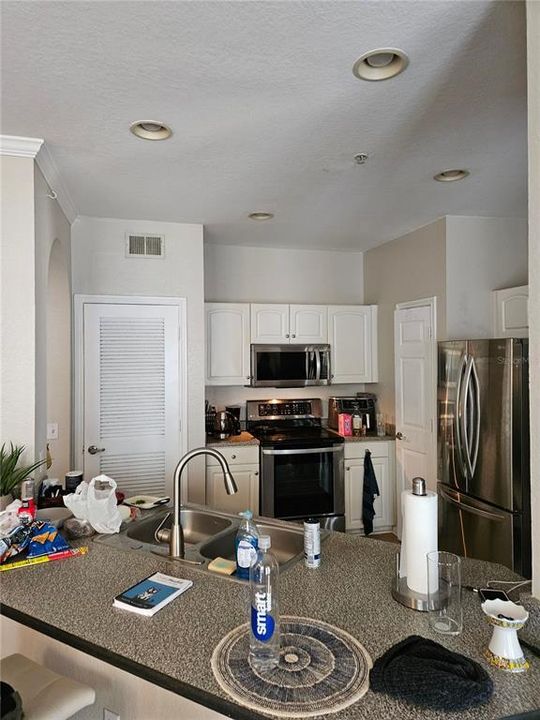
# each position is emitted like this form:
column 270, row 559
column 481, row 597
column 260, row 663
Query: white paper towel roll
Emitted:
column 418, row 537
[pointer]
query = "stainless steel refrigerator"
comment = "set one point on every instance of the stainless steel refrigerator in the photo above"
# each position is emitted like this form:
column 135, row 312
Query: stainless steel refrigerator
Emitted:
column 483, row 451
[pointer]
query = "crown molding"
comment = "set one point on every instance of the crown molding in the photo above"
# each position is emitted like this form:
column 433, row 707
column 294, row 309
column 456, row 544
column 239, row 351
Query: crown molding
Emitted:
column 20, row 146
column 51, row 174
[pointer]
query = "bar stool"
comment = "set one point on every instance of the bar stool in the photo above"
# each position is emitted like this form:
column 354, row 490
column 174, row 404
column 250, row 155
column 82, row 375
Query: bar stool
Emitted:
column 45, row 695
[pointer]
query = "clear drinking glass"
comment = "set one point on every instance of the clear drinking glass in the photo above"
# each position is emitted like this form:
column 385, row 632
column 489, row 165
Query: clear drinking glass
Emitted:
column 381, row 425
column 444, row 593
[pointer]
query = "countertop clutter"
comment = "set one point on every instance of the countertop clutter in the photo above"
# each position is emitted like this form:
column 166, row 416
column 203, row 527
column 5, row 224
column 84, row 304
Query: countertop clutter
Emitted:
column 351, row 590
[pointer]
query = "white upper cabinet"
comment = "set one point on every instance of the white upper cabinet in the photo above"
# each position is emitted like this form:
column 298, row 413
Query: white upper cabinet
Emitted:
column 351, row 331
column 283, row 324
column 352, row 334
column 308, row 324
column 227, row 343
column 511, row 312
column 270, row 324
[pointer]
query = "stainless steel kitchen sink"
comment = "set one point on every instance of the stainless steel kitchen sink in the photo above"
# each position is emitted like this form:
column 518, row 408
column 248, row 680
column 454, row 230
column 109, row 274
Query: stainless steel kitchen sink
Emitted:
column 208, row 534
column 198, row 526
column 287, row 544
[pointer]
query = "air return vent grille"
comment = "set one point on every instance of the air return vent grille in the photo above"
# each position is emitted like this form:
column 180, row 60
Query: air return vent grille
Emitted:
column 145, row 246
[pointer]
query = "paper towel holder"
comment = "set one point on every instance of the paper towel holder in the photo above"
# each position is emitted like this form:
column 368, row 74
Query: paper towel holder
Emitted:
column 404, row 595
column 400, row 590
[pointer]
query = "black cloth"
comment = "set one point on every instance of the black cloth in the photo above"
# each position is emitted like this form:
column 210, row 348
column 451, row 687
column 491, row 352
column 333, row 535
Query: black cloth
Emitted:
column 10, row 703
column 424, row 673
column 368, row 494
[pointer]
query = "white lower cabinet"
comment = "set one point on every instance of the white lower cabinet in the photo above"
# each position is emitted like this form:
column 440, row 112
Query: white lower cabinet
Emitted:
column 383, row 459
column 244, row 465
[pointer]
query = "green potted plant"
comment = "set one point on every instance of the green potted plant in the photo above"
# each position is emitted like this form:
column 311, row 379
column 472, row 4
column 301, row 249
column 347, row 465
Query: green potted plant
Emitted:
column 11, row 473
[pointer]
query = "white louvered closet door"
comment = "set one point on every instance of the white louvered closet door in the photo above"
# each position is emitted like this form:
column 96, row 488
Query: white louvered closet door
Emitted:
column 131, row 395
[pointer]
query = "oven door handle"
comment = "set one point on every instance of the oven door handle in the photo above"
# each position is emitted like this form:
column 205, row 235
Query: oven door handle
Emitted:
column 303, row 451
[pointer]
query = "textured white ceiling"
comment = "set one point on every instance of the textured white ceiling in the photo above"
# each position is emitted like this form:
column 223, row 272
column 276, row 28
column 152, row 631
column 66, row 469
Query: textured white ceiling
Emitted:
column 267, row 115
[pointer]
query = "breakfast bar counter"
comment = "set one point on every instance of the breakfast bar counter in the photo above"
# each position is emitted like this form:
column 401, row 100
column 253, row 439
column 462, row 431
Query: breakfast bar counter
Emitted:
column 72, row 602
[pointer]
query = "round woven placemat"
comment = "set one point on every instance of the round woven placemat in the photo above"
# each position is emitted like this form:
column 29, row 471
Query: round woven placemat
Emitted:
column 322, row 669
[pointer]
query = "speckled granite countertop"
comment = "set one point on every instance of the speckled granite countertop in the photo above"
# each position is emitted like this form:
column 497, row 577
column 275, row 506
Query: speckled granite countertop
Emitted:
column 369, row 438
column 72, row 602
column 244, row 439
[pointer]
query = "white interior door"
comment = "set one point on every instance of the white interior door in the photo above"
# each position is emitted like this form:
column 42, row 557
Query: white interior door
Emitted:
column 416, row 382
column 131, row 394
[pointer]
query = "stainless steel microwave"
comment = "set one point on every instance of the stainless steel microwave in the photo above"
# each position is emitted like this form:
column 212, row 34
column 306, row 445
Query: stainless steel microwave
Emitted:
column 290, row 365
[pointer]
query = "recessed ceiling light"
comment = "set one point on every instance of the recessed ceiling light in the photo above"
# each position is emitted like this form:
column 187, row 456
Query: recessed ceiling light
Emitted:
column 380, row 64
column 261, row 215
column 150, row 130
column 451, row 175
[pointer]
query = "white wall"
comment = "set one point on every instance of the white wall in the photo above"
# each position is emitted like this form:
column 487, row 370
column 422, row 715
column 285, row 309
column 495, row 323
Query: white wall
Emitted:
column 411, row 267
column 53, row 344
column 247, row 274
column 100, row 267
column 533, row 64
column 482, row 254
column 17, row 304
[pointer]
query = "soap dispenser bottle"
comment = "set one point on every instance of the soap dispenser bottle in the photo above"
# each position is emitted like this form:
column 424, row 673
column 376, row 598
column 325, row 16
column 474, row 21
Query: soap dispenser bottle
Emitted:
column 246, row 545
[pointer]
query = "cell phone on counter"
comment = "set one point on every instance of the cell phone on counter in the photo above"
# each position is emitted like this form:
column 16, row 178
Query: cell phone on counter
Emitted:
column 491, row 594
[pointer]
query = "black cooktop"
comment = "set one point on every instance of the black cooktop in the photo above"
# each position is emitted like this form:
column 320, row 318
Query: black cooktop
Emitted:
column 295, row 436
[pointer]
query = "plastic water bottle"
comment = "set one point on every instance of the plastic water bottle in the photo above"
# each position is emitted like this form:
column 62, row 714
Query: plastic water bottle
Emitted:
column 264, row 593
column 246, row 544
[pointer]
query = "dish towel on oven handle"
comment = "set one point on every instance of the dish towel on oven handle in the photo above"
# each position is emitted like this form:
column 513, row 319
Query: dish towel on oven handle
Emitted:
column 368, row 494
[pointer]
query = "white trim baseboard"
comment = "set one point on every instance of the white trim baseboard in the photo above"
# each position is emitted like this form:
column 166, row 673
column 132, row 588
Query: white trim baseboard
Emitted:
column 20, row 146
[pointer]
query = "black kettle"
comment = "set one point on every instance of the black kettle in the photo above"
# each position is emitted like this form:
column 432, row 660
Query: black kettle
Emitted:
column 225, row 424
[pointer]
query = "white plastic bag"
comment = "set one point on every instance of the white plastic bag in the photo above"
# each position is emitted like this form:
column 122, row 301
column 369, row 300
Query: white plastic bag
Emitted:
column 96, row 504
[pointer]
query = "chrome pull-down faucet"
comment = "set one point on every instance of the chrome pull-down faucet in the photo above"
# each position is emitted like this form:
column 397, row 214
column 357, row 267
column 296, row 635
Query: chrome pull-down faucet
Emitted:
column 175, row 536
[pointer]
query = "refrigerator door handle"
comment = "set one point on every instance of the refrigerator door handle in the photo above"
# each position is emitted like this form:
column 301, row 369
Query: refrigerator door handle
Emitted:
column 475, row 444
column 466, row 421
column 459, row 416
column 471, row 508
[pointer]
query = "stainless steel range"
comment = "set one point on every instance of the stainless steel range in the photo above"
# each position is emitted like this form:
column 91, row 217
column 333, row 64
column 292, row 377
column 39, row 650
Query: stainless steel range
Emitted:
column 301, row 462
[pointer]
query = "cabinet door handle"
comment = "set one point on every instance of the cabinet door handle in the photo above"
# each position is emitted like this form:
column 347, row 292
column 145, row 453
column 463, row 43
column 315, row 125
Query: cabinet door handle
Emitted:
column 287, row 335
column 347, row 469
column 256, row 472
column 233, row 457
column 293, row 335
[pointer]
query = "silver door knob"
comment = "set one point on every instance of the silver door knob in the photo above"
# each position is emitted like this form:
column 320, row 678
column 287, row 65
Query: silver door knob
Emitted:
column 93, row 450
column 400, row 436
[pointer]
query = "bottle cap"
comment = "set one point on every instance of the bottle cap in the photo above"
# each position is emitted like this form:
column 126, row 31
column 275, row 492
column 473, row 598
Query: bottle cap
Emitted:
column 265, row 542
column 419, row 486
column 246, row 514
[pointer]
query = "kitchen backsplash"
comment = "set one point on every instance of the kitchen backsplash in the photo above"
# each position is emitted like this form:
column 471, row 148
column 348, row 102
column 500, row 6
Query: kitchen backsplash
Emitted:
column 221, row 396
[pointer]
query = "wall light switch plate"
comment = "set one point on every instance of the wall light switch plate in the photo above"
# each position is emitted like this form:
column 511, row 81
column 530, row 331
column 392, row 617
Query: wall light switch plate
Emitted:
column 110, row 715
column 52, row 431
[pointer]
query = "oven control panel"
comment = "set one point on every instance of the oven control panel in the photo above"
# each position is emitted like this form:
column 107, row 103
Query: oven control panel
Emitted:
column 292, row 408
column 260, row 409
